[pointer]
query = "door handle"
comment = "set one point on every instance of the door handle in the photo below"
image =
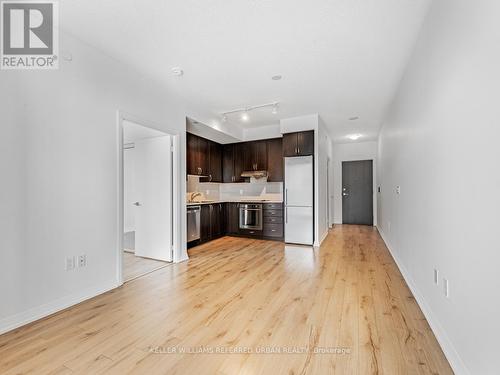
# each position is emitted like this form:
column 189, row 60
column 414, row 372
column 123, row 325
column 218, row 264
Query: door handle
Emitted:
column 286, row 196
column 137, row 204
column 286, row 214
column 345, row 194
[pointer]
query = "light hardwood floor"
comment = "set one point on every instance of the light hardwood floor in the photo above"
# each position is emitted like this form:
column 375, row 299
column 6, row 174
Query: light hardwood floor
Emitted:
column 243, row 294
column 134, row 266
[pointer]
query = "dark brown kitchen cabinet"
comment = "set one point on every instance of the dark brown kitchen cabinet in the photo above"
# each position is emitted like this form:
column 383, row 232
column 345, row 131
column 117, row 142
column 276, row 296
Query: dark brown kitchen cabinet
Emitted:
column 228, row 163
column 205, row 227
column 212, row 221
column 216, row 220
column 298, row 144
column 197, row 150
column 274, row 160
column 258, row 155
column 203, row 158
column 273, row 221
column 191, row 154
column 214, row 172
column 234, row 162
column 232, row 218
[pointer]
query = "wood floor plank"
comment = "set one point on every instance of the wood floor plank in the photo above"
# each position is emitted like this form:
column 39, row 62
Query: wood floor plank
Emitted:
column 244, row 306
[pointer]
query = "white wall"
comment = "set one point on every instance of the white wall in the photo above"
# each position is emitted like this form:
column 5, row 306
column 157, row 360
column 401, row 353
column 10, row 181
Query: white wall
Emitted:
column 440, row 144
column 351, row 152
column 324, row 146
column 59, row 167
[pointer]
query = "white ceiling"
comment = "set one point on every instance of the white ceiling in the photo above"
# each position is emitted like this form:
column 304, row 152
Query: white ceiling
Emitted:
column 338, row 58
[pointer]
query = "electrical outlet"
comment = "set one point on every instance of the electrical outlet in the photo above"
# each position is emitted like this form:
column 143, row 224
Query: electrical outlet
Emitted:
column 398, row 189
column 82, row 260
column 70, row 263
column 436, row 276
column 446, row 288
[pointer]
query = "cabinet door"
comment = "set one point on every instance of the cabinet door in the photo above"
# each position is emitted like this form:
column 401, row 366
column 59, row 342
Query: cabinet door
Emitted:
column 290, row 144
column 232, row 218
column 227, row 163
column 215, row 164
column 305, row 143
column 203, row 155
column 191, row 154
column 205, row 226
column 259, row 155
column 242, row 160
column 275, row 160
column 214, row 221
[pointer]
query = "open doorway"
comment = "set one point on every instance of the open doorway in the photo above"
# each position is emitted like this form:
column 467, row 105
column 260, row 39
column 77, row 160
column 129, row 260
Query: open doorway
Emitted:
column 147, row 214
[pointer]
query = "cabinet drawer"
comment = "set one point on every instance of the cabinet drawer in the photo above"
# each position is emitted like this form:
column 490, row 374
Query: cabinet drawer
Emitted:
column 250, row 232
column 273, row 213
column 273, row 230
column 273, row 220
column 273, row 206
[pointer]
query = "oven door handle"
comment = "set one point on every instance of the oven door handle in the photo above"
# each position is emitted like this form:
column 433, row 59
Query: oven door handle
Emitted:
column 250, row 209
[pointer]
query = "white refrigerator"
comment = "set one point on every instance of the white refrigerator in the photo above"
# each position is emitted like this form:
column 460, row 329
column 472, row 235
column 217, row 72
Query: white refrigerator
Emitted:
column 299, row 181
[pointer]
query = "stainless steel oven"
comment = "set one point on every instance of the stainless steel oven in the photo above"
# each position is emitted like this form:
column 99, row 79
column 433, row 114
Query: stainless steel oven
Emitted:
column 251, row 216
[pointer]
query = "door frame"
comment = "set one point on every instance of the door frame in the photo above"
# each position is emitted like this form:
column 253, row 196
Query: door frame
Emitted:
column 176, row 206
column 374, row 185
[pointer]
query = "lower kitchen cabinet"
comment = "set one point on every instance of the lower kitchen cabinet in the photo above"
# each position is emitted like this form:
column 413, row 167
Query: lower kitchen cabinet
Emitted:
column 220, row 219
column 212, row 221
column 232, row 218
column 205, row 215
column 273, row 221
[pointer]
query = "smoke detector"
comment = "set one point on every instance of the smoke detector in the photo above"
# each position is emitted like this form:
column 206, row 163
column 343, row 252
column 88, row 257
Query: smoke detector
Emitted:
column 176, row 71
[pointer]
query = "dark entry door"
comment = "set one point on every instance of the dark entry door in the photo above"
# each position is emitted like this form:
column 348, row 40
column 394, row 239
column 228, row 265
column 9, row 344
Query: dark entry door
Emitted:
column 357, row 192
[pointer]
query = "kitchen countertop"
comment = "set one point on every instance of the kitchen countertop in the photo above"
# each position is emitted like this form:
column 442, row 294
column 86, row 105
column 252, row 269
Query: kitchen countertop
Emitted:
column 233, row 201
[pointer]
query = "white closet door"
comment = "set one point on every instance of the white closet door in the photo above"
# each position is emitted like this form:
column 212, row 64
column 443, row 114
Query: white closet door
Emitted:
column 153, row 184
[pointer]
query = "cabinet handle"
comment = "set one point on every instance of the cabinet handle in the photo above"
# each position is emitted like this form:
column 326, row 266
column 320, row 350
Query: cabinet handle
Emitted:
column 286, row 214
column 298, row 150
column 210, row 178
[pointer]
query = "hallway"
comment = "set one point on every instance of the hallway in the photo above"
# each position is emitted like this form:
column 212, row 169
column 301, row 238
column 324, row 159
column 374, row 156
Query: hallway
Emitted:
column 243, row 295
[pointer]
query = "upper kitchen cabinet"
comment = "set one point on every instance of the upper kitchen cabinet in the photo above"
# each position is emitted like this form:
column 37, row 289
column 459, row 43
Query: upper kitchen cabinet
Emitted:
column 197, row 149
column 228, row 163
column 204, row 158
column 258, row 152
column 275, row 160
column 234, row 161
column 214, row 162
column 298, row 144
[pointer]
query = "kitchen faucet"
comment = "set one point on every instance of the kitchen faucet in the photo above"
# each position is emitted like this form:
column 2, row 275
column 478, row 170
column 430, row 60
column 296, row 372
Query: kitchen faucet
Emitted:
column 194, row 195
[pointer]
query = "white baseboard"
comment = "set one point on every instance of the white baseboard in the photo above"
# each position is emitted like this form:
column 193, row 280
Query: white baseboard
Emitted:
column 323, row 237
column 449, row 350
column 15, row 321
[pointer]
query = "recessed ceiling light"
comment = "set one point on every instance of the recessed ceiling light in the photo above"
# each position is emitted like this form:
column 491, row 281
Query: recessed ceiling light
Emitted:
column 244, row 116
column 354, row 118
column 276, row 77
column 354, row 136
column 176, row 71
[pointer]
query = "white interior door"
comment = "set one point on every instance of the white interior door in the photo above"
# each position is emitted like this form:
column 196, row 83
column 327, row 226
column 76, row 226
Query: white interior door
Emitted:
column 153, row 188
